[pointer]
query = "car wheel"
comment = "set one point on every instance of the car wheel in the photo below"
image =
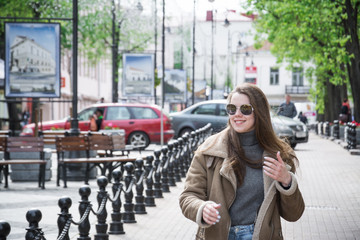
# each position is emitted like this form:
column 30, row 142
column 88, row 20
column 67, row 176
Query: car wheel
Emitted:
column 139, row 139
column 293, row 145
column 185, row 130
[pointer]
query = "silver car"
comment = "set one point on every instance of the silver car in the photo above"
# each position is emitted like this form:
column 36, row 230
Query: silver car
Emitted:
column 293, row 130
column 214, row 112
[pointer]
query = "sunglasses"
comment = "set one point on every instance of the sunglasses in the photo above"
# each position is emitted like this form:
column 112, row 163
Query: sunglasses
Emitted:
column 245, row 109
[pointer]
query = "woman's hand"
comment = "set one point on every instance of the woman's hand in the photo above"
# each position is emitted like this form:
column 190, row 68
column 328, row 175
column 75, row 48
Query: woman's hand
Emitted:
column 276, row 169
column 211, row 214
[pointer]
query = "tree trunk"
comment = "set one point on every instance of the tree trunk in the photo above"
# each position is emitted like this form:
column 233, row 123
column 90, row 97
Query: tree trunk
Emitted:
column 335, row 95
column 353, row 48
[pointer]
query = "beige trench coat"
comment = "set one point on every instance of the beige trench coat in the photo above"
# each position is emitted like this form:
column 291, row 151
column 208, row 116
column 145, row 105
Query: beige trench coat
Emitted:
column 211, row 178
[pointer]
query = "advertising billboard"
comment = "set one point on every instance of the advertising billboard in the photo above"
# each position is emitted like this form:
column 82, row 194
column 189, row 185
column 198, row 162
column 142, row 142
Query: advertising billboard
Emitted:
column 138, row 75
column 32, row 60
column 175, row 85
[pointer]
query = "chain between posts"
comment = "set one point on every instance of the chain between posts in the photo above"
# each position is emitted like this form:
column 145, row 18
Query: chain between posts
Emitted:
column 133, row 180
column 116, row 195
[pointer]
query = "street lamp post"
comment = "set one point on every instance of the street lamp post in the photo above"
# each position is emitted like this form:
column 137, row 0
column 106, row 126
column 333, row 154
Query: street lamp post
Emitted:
column 114, row 51
column 236, row 64
column 229, row 54
column 155, row 39
column 74, row 119
column 163, row 74
column 212, row 54
column 230, row 37
column 212, row 51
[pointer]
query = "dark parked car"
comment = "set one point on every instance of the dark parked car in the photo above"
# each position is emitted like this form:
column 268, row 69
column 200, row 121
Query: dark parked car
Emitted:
column 141, row 122
column 213, row 111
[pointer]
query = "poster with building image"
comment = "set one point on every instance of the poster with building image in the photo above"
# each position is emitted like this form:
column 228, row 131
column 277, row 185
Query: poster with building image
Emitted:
column 32, row 60
column 138, row 75
column 175, row 85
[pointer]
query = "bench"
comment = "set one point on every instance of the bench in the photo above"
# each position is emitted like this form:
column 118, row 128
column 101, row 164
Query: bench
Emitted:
column 23, row 145
column 50, row 136
column 121, row 149
column 85, row 144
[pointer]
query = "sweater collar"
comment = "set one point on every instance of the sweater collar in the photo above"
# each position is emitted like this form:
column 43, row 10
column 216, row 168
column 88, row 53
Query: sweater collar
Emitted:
column 248, row 138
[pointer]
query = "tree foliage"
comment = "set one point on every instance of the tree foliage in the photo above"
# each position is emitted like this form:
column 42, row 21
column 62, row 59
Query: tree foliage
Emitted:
column 318, row 32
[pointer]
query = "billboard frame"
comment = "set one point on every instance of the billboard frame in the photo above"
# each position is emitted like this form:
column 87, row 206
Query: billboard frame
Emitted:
column 36, row 71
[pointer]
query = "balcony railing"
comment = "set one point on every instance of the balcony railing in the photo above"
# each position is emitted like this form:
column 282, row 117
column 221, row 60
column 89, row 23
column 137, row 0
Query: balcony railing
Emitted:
column 291, row 89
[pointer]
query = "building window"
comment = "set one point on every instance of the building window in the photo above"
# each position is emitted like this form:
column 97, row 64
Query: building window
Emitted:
column 274, row 76
column 297, row 77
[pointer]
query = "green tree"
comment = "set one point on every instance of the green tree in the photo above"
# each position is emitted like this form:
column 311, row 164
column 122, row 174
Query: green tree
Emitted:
column 322, row 32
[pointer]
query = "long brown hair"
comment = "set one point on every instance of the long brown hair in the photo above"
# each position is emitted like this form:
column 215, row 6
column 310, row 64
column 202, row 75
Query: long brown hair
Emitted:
column 264, row 132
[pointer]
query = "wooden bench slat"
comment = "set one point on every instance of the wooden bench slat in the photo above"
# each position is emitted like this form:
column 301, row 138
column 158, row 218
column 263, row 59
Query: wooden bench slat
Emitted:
column 98, row 160
column 22, row 161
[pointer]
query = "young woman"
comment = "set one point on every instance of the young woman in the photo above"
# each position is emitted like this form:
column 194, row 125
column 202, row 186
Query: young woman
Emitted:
column 241, row 180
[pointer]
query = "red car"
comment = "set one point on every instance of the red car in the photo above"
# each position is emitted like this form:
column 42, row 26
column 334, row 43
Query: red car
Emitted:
column 141, row 122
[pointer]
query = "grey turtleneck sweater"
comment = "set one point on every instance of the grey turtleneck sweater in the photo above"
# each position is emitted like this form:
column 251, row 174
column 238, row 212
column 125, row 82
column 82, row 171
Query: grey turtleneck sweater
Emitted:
column 250, row 194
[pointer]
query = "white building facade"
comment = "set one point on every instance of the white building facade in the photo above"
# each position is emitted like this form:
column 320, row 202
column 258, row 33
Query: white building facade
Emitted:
column 236, row 60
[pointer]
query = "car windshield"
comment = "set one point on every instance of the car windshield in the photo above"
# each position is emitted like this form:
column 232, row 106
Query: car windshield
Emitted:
column 86, row 114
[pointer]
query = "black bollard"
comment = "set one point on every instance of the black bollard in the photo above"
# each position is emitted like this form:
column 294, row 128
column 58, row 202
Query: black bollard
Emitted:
column 171, row 166
column 33, row 216
column 102, row 226
column 4, row 229
column 84, row 204
column 129, row 214
column 116, row 225
column 64, row 217
column 186, row 152
column 149, row 199
column 176, row 157
column 354, row 143
column 164, row 170
column 327, row 129
column 351, row 136
column 139, row 198
column 336, row 129
column 181, row 161
column 157, row 175
column 192, row 143
column 195, row 139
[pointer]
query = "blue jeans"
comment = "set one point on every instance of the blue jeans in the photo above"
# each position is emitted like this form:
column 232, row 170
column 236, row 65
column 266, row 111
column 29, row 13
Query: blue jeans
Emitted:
column 241, row 232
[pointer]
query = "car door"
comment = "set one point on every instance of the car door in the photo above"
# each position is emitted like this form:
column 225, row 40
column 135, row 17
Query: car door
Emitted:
column 84, row 118
column 146, row 120
column 209, row 113
column 118, row 117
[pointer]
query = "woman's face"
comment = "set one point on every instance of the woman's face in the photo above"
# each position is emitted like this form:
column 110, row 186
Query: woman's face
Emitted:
column 240, row 122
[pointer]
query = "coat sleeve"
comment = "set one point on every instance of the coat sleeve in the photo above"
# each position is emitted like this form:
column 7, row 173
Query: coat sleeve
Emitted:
column 291, row 202
column 193, row 198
